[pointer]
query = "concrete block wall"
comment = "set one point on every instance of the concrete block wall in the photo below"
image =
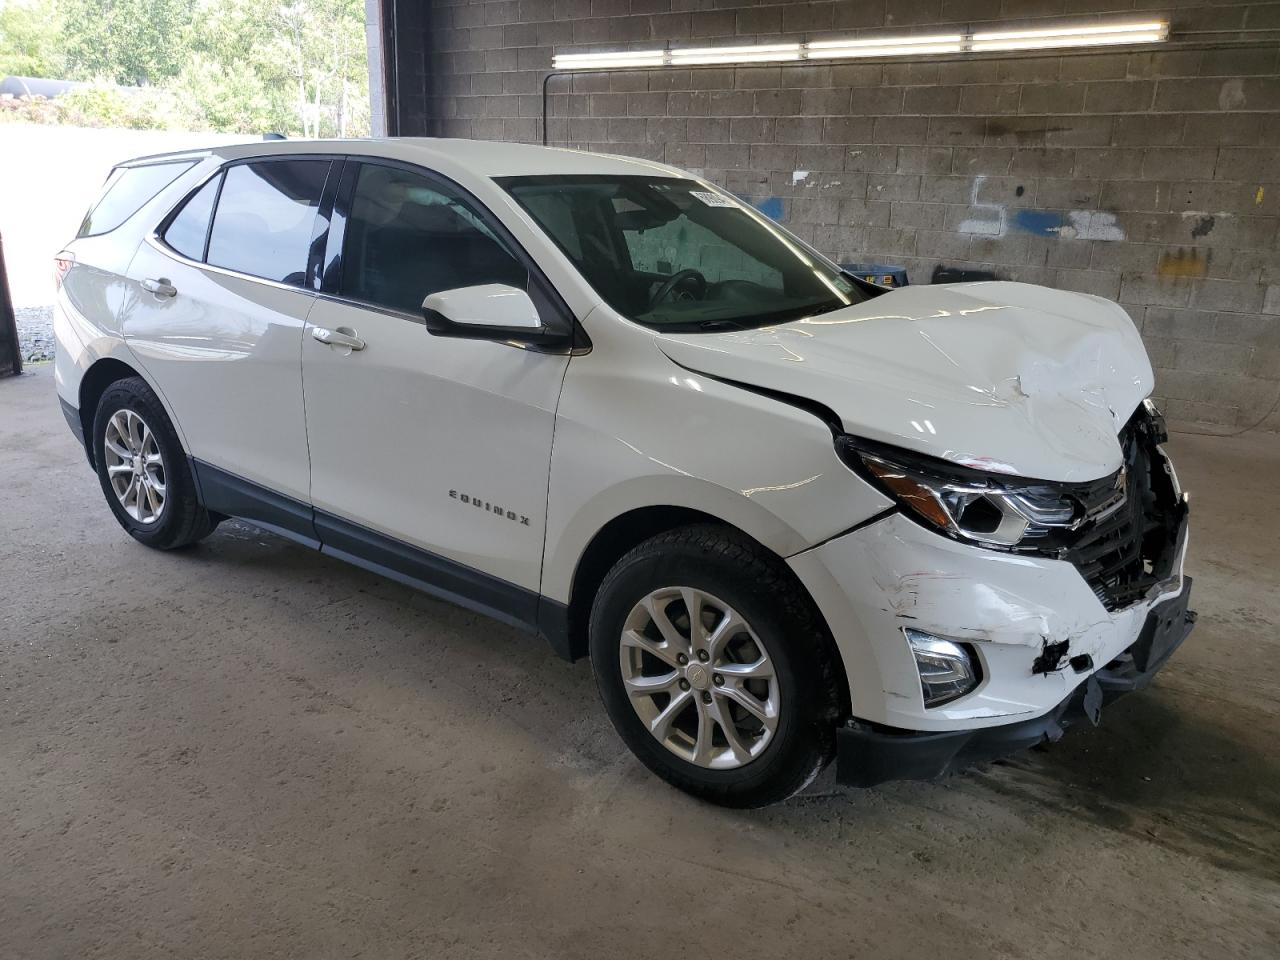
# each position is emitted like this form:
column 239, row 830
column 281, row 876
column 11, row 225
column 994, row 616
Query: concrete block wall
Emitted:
column 1152, row 178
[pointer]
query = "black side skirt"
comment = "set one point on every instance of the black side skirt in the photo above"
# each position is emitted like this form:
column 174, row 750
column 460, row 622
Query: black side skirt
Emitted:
column 234, row 496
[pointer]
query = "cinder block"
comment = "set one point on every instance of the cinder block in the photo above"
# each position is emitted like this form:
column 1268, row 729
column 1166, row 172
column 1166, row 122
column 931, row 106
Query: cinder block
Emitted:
column 728, row 156
column 899, row 130
column 1119, row 96
column 686, row 155
column 1172, row 163
column 1043, row 162
column 945, row 189
column 871, row 158
column 990, row 98
column 1064, row 194
column 757, row 78
column 916, row 159
column 926, row 216
column 1098, row 282
column 798, row 130
column 957, row 131
column 767, row 156
column 750, row 129
column 1257, row 164
column 1155, row 291
column 893, row 186
column 826, row 102
column 1228, row 295
column 931, row 101
column 1052, row 98
column 1110, row 163
column 707, row 129
column 1140, row 195
column 847, row 129
column 646, row 104
column 731, row 103
column 690, row 103
column 776, row 103
column 1155, row 130
column 668, row 129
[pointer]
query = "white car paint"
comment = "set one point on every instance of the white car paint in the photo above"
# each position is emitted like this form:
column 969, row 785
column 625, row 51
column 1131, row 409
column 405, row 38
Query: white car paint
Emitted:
column 1006, row 377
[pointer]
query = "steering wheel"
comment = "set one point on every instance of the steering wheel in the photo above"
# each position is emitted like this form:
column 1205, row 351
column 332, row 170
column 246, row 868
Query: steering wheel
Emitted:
column 676, row 280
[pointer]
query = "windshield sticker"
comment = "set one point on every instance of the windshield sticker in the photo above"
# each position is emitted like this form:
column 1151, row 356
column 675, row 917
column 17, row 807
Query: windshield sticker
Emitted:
column 712, row 199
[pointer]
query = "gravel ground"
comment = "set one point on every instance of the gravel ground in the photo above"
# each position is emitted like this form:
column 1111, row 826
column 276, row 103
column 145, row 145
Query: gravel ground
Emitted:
column 35, row 333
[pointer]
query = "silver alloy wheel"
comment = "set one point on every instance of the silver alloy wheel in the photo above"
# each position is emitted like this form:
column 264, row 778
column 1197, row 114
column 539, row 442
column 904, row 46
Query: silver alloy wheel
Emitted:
column 135, row 466
column 699, row 678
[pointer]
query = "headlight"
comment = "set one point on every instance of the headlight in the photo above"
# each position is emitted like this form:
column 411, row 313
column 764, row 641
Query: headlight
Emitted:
column 989, row 509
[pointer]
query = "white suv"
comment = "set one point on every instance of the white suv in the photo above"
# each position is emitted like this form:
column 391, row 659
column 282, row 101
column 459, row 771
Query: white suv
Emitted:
column 788, row 514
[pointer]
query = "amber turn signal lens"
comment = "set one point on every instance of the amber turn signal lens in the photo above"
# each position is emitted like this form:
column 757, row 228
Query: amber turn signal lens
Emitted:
column 913, row 494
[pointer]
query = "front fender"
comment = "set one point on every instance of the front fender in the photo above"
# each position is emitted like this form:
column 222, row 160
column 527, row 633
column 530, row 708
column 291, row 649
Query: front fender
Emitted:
column 634, row 430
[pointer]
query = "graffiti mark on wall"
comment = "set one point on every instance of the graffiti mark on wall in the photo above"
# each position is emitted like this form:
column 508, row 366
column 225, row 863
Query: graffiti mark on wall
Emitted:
column 1183, row 262
column 993, row 220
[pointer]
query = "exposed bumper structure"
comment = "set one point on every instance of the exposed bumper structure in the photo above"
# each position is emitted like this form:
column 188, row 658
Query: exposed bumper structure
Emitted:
column 868, row 754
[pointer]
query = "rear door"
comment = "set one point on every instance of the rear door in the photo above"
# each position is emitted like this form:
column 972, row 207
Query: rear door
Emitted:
column 429, row 455
column 218, row 302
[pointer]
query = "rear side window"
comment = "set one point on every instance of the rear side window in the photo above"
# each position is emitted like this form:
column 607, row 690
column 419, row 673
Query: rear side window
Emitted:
column 127, row 189
column 408, row 236
column 265, row 218
column 189, row 230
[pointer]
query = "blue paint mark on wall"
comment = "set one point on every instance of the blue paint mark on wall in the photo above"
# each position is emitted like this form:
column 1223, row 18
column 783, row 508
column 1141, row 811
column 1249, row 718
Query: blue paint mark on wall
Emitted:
column 1043, row 223
column 771, row 207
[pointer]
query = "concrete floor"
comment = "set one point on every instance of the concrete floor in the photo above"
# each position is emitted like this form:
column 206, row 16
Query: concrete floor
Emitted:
column 249, row 750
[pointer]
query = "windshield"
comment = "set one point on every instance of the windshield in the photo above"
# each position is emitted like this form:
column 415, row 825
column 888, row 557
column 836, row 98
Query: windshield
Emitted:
column 674, row 255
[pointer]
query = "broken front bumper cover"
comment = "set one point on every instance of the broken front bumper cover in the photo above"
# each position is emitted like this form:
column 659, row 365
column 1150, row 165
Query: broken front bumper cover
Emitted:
column 868, row 754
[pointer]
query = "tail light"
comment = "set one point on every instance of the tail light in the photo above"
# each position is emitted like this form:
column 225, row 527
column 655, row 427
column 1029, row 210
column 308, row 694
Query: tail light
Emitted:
column 61, row 264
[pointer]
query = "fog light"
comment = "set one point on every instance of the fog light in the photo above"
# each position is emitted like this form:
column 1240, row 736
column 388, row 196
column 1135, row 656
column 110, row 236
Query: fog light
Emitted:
column 947, row 670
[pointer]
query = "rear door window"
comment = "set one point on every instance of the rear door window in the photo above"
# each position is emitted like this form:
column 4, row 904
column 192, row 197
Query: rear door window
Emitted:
column 265, row 218
column 189, row 230
column 126, row 190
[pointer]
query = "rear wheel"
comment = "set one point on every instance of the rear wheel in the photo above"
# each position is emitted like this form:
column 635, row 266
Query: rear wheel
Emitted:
column 143, row 469
column 714, row 667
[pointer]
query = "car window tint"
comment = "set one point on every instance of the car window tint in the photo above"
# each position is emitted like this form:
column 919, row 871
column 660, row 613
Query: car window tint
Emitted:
column 265, row 218
column 187, row 231
column 126, row 190
column 408, row 237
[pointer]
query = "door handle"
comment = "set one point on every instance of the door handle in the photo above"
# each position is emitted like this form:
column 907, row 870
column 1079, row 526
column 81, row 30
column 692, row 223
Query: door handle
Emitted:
column 342, row 337
column 161, row 287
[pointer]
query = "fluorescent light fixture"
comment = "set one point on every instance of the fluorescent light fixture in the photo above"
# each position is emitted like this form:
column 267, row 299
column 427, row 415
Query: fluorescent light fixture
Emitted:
column 1082, row 35
column 1155, row 31
column 609, row 61
column 761, row 53
column 884, row 46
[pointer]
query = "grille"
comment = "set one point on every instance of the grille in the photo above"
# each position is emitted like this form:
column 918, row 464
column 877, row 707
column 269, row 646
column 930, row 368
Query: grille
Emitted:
column 1127, row 549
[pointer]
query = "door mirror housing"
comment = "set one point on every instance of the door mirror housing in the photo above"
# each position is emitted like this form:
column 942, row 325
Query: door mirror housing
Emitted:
column 490, row 311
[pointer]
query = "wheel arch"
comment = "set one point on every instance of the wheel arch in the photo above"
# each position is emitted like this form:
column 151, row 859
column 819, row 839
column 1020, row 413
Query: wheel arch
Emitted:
column 628, row 530
column 93, row 384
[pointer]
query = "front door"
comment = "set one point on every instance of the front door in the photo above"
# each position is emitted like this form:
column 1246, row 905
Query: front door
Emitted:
column 429, row 455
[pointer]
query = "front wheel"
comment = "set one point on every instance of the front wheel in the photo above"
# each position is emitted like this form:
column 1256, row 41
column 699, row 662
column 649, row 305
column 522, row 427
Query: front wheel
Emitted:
column 143, row 469
column 714, row 667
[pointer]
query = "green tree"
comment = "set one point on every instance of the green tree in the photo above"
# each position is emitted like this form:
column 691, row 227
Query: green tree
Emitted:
column 30, row 39
column 127, row 41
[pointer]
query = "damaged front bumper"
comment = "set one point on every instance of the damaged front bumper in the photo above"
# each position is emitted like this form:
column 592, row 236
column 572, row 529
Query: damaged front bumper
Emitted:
column 869, row 754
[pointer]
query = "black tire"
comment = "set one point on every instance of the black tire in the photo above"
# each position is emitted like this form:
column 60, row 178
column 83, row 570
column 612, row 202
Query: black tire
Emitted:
column 755, row 583
column 181, row 520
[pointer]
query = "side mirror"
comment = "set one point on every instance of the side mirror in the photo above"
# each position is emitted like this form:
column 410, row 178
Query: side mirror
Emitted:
column 490, row 311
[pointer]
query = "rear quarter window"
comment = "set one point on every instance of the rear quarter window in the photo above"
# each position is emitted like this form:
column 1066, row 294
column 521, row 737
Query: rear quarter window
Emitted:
column 127, row 189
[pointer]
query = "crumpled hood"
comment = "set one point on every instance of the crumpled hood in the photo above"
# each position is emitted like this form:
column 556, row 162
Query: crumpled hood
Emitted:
column 1008, row 377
